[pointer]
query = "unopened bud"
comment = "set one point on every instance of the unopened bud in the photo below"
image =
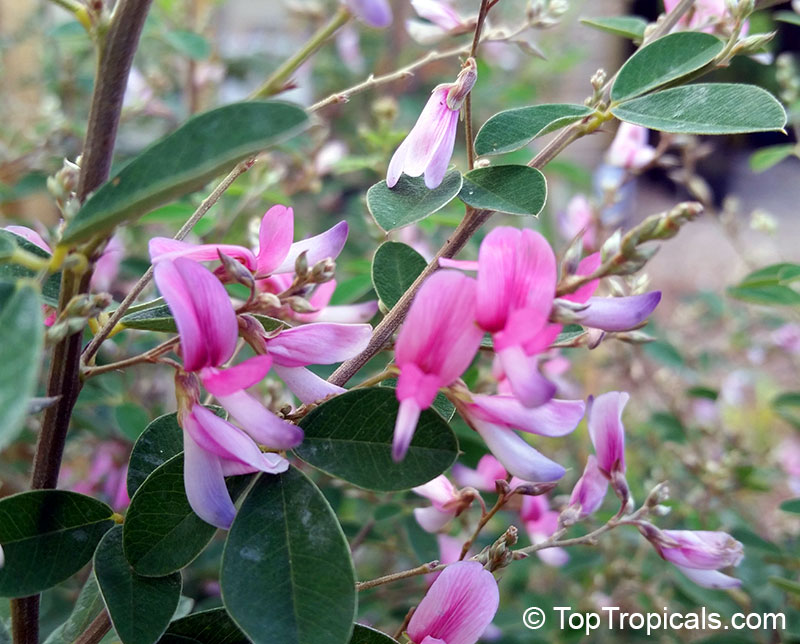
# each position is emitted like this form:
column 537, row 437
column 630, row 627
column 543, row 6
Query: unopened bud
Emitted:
column 634, row 337
column 502, row 487
column 500, row 554
column 620, row 486
column 599, row 79
column 658, row 495
column 534, row 489
column 753, row 44
column 611, row 246
column 236, row 271
column 300, row 305
column 301, row 264
column 269, row 300
column 570, row 516
column 323, row 271
column 465, row 81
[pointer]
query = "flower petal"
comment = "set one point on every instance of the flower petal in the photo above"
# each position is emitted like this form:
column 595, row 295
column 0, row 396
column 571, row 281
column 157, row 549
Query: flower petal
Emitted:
column 528, row 385
column 224, row 382
column 553, row 418
column 261, row 424
column 375, row 13
column 205, row 485
column 347, row 313
column 306, row 385
column 430, row 519
column 438, row 12
column 274, row 238
column 439, row 491
column 619, row 313
column 404, row 428
column 591, row 488
column 31, row 235
column 458, row 607
column 710, row 578
column 587, row 266
column 519, row 458
column 321, row 343
column 166, row 249
column 437, row 166
column 606, row 430
column 460, row 264
column 323, row 246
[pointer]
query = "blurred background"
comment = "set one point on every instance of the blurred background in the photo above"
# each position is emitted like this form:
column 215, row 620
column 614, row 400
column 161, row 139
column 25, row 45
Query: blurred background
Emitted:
column 715, row 405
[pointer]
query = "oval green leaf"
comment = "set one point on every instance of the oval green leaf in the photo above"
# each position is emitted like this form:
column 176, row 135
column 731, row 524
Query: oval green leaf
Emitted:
column 157, row 318
column 162, row 534
column 394, row 269
column 366, row 635
column 350, row 437
column 140, row 607
column 705, row 108
column 22, row 333
column 47, row 536
column 663, row 61
column 185, row 160
column 410, row 200
column 626, row 26
column 12, row 272
column 286, row 570
column 513, row 129
column 792, row 505
column 765, row 158
column 206, row 627
column 160, row 441
column 513, row 189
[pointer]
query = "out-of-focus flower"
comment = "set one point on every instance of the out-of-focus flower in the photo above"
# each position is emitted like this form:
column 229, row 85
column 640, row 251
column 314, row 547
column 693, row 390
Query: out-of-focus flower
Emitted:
column 578, row 219
column 788, row 454
column 348, row 46
column 447, row 503
column 429, row 145
column 107, row 475
column 457, row 608
column 704, row 15
column 328, row 156
column 607, row 432
column 541, row 522
column 787, row 337
column 435, row 345
column 375, row 13
column 107, row 266
column 496, row 417
column 443, row 20
column 699, row 554
column 482, row 478
column 590, row 490
column 630, row 149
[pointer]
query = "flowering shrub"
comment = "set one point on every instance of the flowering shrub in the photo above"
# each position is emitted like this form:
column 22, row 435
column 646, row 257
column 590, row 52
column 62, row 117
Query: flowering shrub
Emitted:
column 236, row 436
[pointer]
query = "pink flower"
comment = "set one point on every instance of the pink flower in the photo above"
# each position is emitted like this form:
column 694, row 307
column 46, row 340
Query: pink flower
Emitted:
column 292, row 350
column 541, row 523
column 443, row 20
column 699, row 554
column 590, row 490
column 516, row 287
column 787, row 337
column 630, row 149
column 429, row 145
column 607, row 432
column 483, row 477
column 457, row 608
column 578, row 219
column 447, row 503
column 435, row 345
column 107, row 266
column 496, row 417
column 212, row 450
column 704, row 15
column 275, row 254
column 375, row 13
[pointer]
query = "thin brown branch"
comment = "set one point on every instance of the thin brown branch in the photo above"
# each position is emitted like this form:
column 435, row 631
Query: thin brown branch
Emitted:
column 424, row 569
column 96, row 630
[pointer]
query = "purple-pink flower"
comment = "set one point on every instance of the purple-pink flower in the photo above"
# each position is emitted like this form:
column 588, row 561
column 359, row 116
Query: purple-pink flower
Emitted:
column 435, row 345
column 457, row 608
column 699, row 554
column 447, row 502
column 541, row 522
column 429, row 145
column 482, row 478
column 607, row 432
column 630, row 149
column 375, row 13
column 590, row 490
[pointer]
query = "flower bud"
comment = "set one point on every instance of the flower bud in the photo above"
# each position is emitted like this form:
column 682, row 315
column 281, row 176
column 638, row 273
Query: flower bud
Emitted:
column 300, row 305
column 236, row 271
column 464, row 83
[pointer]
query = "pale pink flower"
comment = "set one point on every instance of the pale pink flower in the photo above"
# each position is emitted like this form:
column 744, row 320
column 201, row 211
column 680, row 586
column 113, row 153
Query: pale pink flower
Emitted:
column 787, row 337
column 429, row 145
column 630, row 149
column 606, row 430
column 496, row 418
column 705, row 15
column 482, row 478
column 699, row 554
column 106, row 267
column 443, row 20
column 457, row 608
column 541, row 522
column 435, row 345
column 590, row 490
column 447, row 502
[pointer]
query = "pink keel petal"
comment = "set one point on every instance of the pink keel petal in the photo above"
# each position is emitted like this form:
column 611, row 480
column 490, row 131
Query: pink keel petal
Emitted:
column 224, row 382
column 321, row 343
column 405, row 425
column 259, row 423
column 458, row 607
column 306, row 385
column 529, row 386
column 323, row 246
column 205, row 485
column 519, row 458
column 274, row 238
column 553, row 418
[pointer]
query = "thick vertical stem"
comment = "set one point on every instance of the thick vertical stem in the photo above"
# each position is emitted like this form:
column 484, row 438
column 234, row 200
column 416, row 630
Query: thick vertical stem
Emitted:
column 117, row 50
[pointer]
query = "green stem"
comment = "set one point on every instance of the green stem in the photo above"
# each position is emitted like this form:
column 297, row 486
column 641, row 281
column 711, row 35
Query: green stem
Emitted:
column 275, row 83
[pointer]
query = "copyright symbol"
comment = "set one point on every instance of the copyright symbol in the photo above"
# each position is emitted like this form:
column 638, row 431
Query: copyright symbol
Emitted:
column 533, row 618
